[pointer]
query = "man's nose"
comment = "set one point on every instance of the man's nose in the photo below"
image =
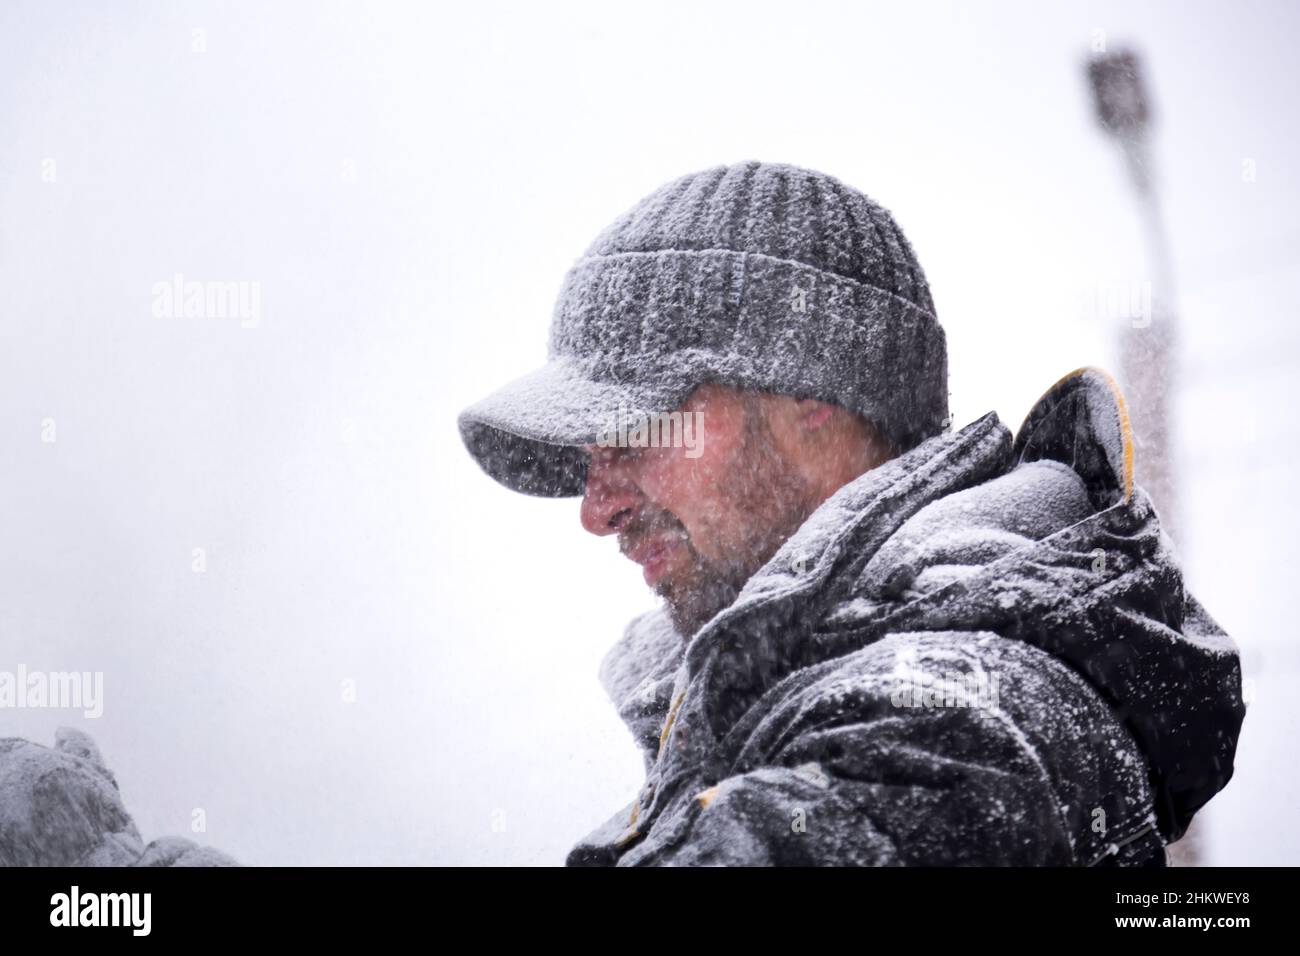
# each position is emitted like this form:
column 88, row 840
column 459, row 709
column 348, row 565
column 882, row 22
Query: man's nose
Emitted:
column 612, row 495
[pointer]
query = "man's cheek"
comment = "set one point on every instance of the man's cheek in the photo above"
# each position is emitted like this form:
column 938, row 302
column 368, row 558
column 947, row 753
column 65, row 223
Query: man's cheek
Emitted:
column 675, row 481
column 681, row 571
column 708, row 476
column 706, row 525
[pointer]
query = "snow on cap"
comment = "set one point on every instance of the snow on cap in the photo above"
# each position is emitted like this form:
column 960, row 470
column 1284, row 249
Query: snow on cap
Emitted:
column 759, row 276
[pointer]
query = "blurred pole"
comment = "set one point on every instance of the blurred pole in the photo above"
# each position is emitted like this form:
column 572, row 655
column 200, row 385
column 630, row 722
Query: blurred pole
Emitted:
column 1148, row 338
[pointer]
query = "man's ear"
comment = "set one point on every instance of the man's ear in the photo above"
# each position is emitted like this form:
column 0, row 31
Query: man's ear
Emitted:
column 814, row 414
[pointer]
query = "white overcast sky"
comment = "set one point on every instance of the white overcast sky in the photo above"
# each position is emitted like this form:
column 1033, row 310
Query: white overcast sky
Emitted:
column 408, row 185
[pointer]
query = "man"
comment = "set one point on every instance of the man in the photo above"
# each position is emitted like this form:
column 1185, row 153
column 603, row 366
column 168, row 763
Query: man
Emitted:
column 882, row 642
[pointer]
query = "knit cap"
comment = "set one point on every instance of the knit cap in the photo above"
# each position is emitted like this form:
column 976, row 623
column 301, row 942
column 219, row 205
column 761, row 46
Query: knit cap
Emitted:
column 759, row 276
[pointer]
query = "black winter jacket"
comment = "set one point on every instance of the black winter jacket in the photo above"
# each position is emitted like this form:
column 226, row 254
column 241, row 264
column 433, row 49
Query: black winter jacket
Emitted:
column 979, row 653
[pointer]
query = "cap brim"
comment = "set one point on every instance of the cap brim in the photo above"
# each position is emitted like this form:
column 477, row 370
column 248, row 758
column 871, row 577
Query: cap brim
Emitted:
column 528, row 435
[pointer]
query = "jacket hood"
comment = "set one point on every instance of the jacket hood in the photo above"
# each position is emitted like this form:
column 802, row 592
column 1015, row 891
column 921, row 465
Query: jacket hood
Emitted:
column 1041, row 536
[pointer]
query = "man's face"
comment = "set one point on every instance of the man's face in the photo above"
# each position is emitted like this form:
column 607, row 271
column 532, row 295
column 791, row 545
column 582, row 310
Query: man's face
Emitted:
column 700, row 521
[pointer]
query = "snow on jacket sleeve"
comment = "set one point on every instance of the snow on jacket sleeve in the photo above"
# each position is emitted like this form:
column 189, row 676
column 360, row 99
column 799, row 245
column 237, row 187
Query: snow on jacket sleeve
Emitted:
column 895, row 756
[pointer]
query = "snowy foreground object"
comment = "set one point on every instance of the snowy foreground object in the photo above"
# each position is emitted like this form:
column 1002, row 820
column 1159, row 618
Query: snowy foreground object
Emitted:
column 61, row 807
column 981, row 652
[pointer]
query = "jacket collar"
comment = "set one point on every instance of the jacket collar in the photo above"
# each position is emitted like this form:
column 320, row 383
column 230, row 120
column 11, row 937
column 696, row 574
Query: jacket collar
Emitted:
column 817, row 564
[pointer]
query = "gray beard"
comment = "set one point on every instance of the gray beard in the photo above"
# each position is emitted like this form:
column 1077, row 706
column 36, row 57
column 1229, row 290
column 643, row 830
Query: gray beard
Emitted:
column 702, row 599
column 712, row 589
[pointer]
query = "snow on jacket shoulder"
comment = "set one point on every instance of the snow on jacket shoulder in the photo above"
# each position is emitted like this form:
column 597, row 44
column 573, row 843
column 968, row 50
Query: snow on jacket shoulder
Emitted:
column 979, row 653
column 60, row 806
